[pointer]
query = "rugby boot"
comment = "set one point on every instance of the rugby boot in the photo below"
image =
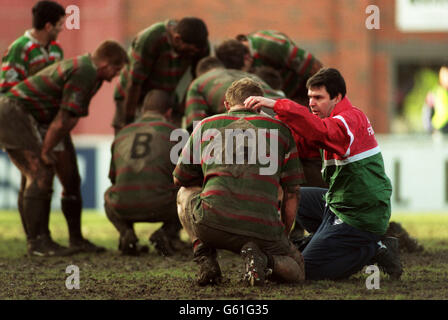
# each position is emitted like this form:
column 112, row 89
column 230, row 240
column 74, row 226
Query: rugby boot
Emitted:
column 301, row 243
column 161, row 243
column 255, row 264
column 60, row 250
column 84, row 245
column 388, row 257
column 209, row 270
column 405, row 241
column 41, row 247
column 72, row 208
column 35, row 207
column 172, row 231
column 128, row 244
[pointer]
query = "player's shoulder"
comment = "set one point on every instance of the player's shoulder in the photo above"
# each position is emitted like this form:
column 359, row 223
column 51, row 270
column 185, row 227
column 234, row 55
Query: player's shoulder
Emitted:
column 153, row 32
column 19, row 46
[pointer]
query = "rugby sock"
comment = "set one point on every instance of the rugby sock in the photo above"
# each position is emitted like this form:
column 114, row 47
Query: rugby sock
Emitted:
column 35, row 209
column 72, row 208
column 20, row 208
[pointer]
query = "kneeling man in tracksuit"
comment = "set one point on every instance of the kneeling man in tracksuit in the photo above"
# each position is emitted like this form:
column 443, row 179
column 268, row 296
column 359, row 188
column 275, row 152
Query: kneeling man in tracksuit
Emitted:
column 349, row 219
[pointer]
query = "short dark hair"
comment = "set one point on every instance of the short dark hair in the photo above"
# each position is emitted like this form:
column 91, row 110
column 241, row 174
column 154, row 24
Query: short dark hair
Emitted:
column 269, row 75
column 208, row 63
column 193, row 31
column 46, row 11
column 231, row 52
column 331, row 79
column 112, row 52
column 157, row 100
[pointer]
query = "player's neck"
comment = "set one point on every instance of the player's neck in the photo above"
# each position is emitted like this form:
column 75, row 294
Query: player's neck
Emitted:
column 41, row 36
column 238, row 107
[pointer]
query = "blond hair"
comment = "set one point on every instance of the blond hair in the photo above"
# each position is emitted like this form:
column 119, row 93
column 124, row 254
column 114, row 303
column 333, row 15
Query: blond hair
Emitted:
column 241, row 89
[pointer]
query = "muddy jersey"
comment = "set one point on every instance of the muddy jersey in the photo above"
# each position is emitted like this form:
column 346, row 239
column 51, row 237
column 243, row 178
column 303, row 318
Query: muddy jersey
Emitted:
column 275, row 49
column 69, row 84
column 141, row 169
column 25, row 57
column 206, row 94
column 153, row 62
column 240, row 185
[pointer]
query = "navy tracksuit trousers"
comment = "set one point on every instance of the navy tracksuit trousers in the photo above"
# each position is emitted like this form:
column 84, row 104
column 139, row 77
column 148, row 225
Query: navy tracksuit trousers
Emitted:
column 336, row 250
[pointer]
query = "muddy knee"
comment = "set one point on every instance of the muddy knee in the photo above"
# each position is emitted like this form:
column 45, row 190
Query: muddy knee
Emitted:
column 286, row 269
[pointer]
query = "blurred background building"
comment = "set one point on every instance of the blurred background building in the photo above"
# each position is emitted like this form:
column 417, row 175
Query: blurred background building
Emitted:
column 388, row 70
column 379, row 65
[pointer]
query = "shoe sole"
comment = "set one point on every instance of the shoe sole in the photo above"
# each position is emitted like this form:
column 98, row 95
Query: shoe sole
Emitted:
column 251, row 275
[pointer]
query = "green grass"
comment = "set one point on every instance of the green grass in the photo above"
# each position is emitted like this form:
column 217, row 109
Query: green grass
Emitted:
column 112, row 276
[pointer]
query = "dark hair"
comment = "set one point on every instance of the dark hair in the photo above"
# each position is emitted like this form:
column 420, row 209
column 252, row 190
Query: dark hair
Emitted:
column 193, row 31
column 46, row 11
column 208, row 63
column 231, row 53
column 269, row 75
column 331, row 79
column 156, row 100
column 112, row 52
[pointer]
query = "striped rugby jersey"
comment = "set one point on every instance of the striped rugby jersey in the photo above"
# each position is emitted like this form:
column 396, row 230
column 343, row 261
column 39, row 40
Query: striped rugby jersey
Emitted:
column 275, row 49
column 69, row 84
column 359, row 189
column 206, row 94
column 238, row 198
column 153, row 62
column 25, row 57
column 141, row 169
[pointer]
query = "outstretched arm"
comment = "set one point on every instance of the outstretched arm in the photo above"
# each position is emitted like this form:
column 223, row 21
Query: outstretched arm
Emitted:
column 257, row 102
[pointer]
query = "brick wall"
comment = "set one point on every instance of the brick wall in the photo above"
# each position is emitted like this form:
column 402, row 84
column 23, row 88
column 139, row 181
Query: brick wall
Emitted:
column 333, row 30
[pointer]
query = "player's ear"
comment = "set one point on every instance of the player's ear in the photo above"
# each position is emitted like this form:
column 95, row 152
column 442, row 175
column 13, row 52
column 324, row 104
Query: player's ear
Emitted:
column 338, row 98
column 227, row 105
column 48, row 26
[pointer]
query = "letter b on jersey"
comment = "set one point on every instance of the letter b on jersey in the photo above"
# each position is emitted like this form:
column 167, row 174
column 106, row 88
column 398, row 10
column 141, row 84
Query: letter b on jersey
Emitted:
column 140, row 146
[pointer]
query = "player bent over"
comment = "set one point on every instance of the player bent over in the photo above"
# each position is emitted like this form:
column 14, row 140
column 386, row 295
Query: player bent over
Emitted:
column 141, row 174
column 36, row 115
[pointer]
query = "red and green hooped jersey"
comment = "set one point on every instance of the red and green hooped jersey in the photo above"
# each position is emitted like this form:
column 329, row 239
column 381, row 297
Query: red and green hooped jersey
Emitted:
column 153, row 62
column 275, row 49
column 25, row 57
column 206, row 94
column 236, row 197
column 69, row 84
column 359, row 189
column 141, row 167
